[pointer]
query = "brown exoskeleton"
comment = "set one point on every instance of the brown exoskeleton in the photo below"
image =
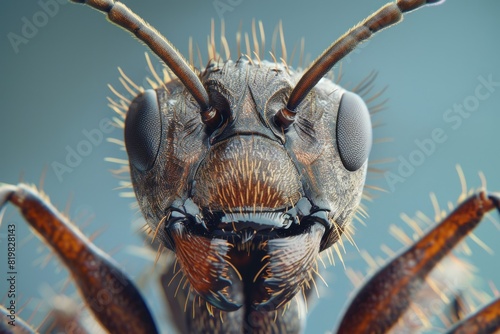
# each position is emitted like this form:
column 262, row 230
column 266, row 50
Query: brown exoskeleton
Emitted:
column 247, row 172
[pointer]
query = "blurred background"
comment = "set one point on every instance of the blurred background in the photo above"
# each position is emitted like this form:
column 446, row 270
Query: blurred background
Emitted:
column 57, row 61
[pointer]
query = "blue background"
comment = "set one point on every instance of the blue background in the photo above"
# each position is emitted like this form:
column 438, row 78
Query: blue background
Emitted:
column 54, row 87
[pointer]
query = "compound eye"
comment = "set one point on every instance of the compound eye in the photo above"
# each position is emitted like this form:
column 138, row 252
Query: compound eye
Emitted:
column 354, row 131
column 143, row 130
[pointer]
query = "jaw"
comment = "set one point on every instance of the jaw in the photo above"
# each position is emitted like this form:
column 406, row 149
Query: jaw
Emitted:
column 259, row 269
column 247, row 235
column 241, row 240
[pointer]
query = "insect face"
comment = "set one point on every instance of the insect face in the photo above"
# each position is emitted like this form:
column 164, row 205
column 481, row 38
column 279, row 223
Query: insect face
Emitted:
column 238, row 197
column 428, row 69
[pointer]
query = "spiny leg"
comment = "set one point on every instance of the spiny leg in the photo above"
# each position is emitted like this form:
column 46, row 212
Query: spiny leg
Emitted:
column 387, row 295
column 112, row 297
column 484, row 321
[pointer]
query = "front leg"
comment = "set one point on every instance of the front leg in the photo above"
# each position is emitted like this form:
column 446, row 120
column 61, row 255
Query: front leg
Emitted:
column 387, row 295
column 112, row 297
column 486, row 320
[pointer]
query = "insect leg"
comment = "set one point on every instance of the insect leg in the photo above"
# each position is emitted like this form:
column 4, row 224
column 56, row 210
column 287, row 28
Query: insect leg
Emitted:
column 486, row 320
column 387, row 295
column 111, row 296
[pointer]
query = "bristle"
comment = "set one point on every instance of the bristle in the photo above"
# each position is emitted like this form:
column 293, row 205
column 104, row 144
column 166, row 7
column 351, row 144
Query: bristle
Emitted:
column 358, row 218
column 161, row 248
column 256, row 49
column 275, row 61
column 283, row 44
column 235, row 270
column 348, row 236
column 187, row 299
column 355, row 277
column 387, row 251
column 375, row 96
column 292, row 56
column 261, row 269
column 367, row 81
column 159, row 82
column 376, row 188
column 412, row 223
column 249, row 59
column 329, row 254
column 257, row 57
column 127, row 87
column 119, row 106
column 400, row 235
column 238, row 40
column 463, row 183
column 191, row 52
column 120, row 96
column 484, row 184
column 273, row 40
column 129, row 81
column 200, row 59
column 247, row 45
column 285, row 65
column 421, row 315
column 302, row 50
column 435, row 205
column 362, row 211
column 117, row 161
column 152, row 83
column 225, row 45
column 370, row 261
column 494, row 289
column 466, row 249
column 318, row 274
column 160, row 225
column 314, row 284
column 437, row 290
column 339, row 254
column 117, row 110
column 320, row 258
column 118, row 123
column 167, row 77
column 116, row 141
column 481, row 243
column 262, row 38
